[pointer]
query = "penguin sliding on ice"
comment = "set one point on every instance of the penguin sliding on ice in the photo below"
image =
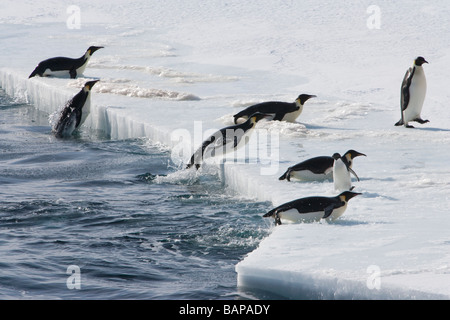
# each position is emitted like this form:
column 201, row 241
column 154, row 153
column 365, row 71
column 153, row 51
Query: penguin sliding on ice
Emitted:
column 62, row 66
column 225, row 140
column 282, row 111
column 75, row 112
column 341, row 173
column 312, row 208
column 413, row 91
column 317, row 168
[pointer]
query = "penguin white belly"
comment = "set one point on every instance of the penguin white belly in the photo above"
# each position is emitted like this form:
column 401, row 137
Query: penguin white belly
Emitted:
column 417, row 92
column 307, row 175
column 86, row 110
column 292, row 215
column 62, row 73
column 337, row 213
column 81, row 69
column 341, row 176
column 292, row 116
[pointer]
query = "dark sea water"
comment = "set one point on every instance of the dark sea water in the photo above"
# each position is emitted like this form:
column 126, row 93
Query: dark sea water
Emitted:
column 93, row 218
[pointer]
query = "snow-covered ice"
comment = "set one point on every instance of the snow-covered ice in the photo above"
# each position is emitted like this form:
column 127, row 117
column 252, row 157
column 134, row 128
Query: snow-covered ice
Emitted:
column 174, row 71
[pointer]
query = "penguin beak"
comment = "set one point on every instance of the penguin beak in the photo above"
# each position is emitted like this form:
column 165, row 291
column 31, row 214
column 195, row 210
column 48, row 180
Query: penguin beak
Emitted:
column 352, row 195
column 90, row 84
column 357, row 154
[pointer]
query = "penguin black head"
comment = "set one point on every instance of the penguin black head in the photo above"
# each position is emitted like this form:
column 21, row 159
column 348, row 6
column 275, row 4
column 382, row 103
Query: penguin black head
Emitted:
column 353, row 154
column 336, row 156
column 347, row 195
column 88, row 85
column 304, row 97
column 420, row 61
column 92, row 49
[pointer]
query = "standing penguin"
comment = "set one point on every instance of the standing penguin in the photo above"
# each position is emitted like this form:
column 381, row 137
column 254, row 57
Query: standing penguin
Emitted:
column 225, row 140
column 62, row 66
column 312, row 208
column 317, row 168
column 75, row 112
column 341, row 173
column 413, row 91
column 282, row 111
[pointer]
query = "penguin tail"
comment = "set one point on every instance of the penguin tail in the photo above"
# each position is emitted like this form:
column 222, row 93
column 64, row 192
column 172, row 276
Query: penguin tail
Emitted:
column 35, row 72
column 273, row 213
column 270, row 213
column 286, row 175
column 399, row 123
column 32, row 74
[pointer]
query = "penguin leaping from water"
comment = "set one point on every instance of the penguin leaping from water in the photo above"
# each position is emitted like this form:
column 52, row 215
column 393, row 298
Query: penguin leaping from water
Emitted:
column 413, row 91
column 75, row 112
column 341, row 172
column 225, row 140
column 282, row 111
column 62, row 66
column 317, row 168
column 312, row 208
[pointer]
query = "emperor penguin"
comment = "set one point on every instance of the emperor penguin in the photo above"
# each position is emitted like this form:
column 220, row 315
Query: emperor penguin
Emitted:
column 317, row 168
column 312, row 208
column 62, row 66
column 341, row 173
column 282, row 111
column 225, row 140
column 413, row 91
column 74, row 112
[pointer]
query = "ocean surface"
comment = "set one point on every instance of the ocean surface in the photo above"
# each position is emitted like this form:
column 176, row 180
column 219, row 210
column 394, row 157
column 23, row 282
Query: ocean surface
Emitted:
column 93, row 218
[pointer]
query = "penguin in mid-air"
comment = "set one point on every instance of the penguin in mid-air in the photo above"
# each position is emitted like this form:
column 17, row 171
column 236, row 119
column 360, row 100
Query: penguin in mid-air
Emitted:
column 74, row 112
column 413, row 91
column 225, row 140
column 62, row 66
column 341, row 173
column 282, row 111
column 312, row 208
column 317, row 168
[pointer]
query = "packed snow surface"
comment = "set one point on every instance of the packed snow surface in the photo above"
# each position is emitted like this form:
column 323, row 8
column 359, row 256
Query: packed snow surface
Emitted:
column 174, row 72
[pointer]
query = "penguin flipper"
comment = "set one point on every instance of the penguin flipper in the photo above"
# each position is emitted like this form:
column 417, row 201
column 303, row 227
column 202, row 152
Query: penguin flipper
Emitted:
column 353, row 172
column 279, row 116
column 406, row 83
column 73, row 73
column 328, row 211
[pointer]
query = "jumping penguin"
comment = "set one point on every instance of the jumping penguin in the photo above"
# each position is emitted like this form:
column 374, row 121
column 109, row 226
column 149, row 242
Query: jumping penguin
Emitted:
column 282, row 111
column 317, row 168
column 225, row 140
column 312, row 208
column 62, row 66
column 75, row 112
column 413, row 91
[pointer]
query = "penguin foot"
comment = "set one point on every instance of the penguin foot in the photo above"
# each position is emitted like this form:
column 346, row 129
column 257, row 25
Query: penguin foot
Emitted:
column 421, row 121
